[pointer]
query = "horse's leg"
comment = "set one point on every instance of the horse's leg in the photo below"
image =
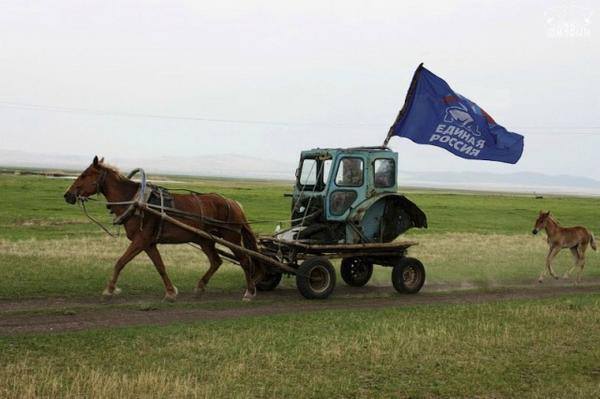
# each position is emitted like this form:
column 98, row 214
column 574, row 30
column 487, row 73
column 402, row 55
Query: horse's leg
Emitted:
column 550, row 269
column 154, row 255
column 131, row 252
column 575, row 259
column 246, row 264
column 551, row 254
column 215, row 262
column 581, row 255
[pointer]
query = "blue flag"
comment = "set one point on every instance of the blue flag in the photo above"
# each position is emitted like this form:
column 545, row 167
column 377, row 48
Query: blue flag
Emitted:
column 435, row 114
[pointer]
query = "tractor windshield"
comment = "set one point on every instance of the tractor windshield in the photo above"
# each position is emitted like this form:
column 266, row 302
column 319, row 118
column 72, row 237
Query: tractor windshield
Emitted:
column 313, row 174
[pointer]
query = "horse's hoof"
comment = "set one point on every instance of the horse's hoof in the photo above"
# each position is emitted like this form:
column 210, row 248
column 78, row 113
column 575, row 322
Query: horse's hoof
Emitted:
column 199, row 291
column 248, row 296
column 540, row 280
column 171, row 296
column 565, row 277
column 107, row 293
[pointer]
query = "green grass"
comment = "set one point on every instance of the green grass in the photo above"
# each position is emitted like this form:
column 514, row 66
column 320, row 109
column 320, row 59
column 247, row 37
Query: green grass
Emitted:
column 80, row 267
column 534, row 349
column 32, row 206
column 48, row 248
column 538, row 349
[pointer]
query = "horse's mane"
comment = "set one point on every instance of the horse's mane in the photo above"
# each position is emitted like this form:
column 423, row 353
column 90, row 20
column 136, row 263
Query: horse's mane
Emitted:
column 553, row 219
column 113, row 169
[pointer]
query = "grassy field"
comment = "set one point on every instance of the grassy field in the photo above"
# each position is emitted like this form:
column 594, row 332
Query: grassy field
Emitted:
column 542, row 348
column 33, row 207
column 49, row 248
column 516, row 349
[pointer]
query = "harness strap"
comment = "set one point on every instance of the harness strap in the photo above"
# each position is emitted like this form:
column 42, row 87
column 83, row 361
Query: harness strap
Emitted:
column 162, row 215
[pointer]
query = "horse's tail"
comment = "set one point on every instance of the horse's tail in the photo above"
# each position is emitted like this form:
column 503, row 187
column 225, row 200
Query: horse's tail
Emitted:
column 249, row 242
column 593, row 241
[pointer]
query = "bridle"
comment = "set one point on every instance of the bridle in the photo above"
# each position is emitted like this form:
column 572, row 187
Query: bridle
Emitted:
column 100, row 181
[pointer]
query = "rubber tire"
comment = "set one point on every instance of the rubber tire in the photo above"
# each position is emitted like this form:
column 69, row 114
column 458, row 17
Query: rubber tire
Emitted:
column 398, row 275
column 304, row 283
column 269, row 282
column 351, row 279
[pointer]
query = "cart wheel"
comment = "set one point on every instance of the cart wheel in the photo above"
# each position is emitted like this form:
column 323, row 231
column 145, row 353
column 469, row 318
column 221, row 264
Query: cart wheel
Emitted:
column 356, row 272
column 269, row 282
column 316, row 278
column 408, row 276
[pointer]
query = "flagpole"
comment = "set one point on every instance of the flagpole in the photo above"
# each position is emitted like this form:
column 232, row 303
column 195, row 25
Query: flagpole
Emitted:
column 409, row 94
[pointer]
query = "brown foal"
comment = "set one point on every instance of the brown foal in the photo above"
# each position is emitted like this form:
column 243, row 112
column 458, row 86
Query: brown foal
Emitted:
column 575, row 238
column 145, row 231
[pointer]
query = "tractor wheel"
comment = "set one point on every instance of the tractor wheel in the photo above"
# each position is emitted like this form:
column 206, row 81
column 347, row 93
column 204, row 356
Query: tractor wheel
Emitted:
column 316, row 278
column 408, row 275
column 356, row 272
column 269, row 282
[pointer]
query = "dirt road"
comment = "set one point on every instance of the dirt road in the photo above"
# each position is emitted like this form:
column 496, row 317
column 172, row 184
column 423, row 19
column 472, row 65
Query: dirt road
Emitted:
column 62, row 314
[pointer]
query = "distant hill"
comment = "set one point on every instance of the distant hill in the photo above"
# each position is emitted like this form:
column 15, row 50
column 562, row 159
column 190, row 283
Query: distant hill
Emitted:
column 520, row 182
column 232, row 165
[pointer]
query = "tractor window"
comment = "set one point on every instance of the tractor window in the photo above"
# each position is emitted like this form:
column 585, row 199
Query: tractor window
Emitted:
column 314, row 174
column 340, row 201
column 326, row 170
column 385, row 173
column 350, row 172
column 308, row 173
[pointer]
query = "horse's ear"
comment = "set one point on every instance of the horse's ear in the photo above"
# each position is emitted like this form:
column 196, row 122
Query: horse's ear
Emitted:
column 102, row 160
column 95, row 163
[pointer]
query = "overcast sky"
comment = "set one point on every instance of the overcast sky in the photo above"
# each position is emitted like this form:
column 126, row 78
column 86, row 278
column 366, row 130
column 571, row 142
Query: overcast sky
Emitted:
column 335, row 73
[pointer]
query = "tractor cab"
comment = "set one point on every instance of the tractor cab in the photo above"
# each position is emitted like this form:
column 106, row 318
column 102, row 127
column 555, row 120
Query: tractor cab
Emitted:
column 350, row 196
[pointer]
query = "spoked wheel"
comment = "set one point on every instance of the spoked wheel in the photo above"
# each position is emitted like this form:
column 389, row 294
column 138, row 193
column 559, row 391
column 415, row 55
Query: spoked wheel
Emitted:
column 269, row 282
column 356, row 272
column 408, row 276
column 315, row 278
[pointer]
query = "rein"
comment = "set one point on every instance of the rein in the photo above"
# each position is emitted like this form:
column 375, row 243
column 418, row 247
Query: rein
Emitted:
column 98, row 223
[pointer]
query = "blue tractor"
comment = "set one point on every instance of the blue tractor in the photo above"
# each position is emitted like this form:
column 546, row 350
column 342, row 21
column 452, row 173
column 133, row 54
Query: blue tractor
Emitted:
column 346, row 205
column 350, row 196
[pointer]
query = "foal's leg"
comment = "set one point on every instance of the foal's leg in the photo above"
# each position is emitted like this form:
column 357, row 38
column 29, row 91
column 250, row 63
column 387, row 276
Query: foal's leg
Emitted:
column 550, row 259
column 131, row 252
column 575, row 259
column 215, row 262
column 581, row 255
column 154, row 255
column 551, row 254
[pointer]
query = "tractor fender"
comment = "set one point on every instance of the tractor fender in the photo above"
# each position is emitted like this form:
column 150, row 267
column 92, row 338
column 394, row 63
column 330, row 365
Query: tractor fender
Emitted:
column 385, row 216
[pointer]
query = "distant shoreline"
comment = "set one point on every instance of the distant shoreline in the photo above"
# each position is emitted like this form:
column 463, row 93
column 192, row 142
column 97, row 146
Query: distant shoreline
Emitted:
column 404, row 185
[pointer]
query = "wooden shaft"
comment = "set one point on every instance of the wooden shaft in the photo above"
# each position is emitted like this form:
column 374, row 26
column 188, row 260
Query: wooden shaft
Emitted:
column 218, row 240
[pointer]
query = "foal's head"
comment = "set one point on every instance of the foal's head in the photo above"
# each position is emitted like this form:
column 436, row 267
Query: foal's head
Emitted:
column 541, row 221
column 88, row 182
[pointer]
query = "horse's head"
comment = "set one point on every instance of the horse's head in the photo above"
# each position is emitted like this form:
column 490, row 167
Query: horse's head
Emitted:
column 88, row 182
column 540, row 222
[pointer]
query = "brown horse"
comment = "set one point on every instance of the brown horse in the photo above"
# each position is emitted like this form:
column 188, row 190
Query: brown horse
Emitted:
column 576, row 238
column 145, row 231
